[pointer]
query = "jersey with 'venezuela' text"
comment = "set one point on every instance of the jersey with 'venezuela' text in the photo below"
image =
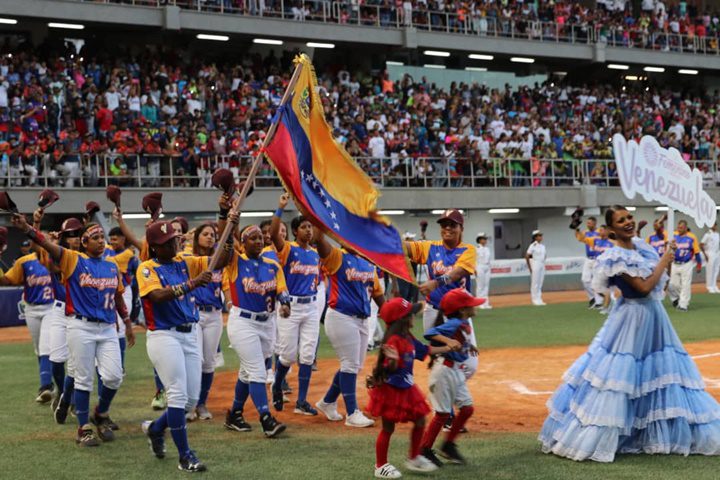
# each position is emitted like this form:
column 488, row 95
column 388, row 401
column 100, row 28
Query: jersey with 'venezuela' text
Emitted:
column 35, row 279
column 441, row 261
column 301, row 268
column 254, row 283
column 353, row 282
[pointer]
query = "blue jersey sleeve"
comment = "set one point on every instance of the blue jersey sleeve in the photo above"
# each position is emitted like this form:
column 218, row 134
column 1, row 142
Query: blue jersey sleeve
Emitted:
column 447, row 329
column 421, row 350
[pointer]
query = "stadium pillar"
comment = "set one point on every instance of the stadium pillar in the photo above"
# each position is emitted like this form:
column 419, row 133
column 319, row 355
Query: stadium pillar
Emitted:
column 410, row 38
column 171, row 20
column 588, row 196
column 599, row 52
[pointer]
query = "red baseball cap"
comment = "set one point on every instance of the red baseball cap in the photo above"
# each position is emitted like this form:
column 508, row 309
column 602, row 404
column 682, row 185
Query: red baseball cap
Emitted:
column 398, row 308
column 47, row 197
column 452, row 215
column 71, row 225
column 113, row 194
column 458, row 298
column 159, row 233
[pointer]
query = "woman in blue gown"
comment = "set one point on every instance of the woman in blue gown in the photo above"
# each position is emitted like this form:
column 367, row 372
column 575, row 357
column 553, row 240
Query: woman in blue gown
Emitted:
column 636, row 389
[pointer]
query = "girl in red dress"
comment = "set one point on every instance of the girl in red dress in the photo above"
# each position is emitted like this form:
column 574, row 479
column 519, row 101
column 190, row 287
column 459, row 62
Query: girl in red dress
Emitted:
column 393, row 393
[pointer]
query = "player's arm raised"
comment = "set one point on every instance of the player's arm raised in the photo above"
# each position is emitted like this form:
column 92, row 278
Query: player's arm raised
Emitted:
column 127, row 231
column 277, row 239
column 225, row 204
column 37, row 236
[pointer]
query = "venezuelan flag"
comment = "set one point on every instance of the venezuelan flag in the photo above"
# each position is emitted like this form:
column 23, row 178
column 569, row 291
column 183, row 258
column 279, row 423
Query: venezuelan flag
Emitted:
column 326, row 183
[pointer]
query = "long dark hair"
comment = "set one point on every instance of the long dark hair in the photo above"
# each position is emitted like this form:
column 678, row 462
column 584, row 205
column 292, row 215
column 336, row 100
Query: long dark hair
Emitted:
column 610, row 212
column 196, row 237
column 399, row 327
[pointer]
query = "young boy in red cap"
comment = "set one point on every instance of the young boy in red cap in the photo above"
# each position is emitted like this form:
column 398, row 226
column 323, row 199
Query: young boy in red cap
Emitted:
column 447, row 382
column 393, row 393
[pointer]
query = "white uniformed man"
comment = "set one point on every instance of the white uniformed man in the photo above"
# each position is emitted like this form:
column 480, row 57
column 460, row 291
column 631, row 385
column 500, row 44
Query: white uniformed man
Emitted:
column 535, row 258
column 482, row 270
column 595, row 299
column 710, row 245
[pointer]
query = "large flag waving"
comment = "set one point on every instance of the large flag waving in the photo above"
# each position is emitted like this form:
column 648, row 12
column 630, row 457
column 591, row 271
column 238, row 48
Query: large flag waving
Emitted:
column 326, row 183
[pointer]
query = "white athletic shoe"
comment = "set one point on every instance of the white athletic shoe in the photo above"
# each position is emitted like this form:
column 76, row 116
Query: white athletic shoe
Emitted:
column 358, row 419
column 539, row 304
column 191, row 416
column 485, row 306
column 203, row 413
column 270, row 376
column 329, row 410
column 420, row 464
column 387, row 471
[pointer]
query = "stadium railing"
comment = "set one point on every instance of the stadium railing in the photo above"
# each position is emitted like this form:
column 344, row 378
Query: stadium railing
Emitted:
column 351, row 13
column 176, row 171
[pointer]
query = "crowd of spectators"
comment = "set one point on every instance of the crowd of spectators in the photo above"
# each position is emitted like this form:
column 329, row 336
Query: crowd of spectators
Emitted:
column 142, row 119
column 613, row 21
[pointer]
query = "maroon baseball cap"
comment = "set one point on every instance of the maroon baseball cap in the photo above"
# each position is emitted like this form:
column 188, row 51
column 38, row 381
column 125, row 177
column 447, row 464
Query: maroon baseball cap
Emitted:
column 152, row 204
column 184, row 226
column 458, row 298
column 113, row 194
column 7, row 204
column 71, row 225
column 398, row 308
column 159, row 233
column 47, row 197
column 91, row 208
column 452, row 215
column 223, row 179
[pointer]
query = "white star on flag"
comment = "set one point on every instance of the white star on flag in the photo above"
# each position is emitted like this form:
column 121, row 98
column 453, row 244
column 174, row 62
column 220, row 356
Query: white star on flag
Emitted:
column 336, row 226
column 332, row 215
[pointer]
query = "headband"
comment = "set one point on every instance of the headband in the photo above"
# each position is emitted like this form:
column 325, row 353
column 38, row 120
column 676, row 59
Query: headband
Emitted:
column 95, row 229
column 249, row 231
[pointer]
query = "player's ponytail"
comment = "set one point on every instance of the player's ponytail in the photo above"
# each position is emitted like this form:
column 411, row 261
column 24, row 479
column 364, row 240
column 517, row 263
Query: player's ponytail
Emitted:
column 379, row 373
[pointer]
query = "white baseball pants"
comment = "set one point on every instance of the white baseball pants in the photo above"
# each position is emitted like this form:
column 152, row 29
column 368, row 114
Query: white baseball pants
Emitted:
column 210, row 328
column 448, row 387
column 681, row 283
column 372, row 323
column 349, row 338
column 712, row 268
column 430, row 314
column 298, row 334
column 587, row 280
column 252, row 340
column 176, row 358
column 127, row 298
column 59, row 351
column 537, row 277
column 482, row 283
column 37, row 318
column 92, row 343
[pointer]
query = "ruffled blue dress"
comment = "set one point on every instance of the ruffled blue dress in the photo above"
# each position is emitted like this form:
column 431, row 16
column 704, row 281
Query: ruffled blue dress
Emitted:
column 636, row 389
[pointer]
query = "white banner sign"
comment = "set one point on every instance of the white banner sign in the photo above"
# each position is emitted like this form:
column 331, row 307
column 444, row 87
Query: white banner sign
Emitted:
column 660, row 174
column 553, row 266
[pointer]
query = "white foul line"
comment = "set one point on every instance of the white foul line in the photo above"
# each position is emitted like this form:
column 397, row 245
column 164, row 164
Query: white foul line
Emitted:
column 707, row 355
column 523, row 390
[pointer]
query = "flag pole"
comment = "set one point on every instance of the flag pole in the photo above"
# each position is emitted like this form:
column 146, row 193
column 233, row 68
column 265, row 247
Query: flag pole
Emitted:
column 237, row 204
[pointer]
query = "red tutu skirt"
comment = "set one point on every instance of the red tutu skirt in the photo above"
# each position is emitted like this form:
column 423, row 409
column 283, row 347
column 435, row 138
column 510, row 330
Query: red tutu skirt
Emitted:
column 398, row 405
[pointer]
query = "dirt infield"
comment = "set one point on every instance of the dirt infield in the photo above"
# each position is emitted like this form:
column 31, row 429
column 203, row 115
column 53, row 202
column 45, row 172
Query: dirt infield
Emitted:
column 510, row 388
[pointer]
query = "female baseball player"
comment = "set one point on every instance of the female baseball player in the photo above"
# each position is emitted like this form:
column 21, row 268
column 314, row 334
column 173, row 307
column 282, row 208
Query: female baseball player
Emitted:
column 535, row 258
column 298, row 334
column 447, row 382
column 256, row 285
column 172, row 340
column 94, row 292
column 210, row 326
column 353, row 281
column 393, row 393
column 38, row 296
column 594, row 298
column 450, row 262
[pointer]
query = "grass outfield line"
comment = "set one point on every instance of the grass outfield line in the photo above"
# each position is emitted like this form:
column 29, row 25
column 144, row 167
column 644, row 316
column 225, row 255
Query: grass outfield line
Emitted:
column 34, row 447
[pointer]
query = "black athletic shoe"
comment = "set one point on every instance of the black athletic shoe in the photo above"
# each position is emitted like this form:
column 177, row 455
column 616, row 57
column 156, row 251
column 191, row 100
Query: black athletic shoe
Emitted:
column 277, row 398
column 235, row 421
column 286, row 388
column 448, row 424
column 270, row 426
column 103, row 428
column 429, row 453
column 156, row 440
column 113, row 426
column 61, row 411
column 675, row 303
column 449, row 451
column 190, row 463
column 591, row 303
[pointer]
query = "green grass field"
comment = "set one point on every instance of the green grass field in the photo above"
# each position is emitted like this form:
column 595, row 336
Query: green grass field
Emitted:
column 34, row 447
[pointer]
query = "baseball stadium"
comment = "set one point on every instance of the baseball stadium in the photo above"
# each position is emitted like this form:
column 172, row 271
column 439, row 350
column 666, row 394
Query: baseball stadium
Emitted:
column 236, row 242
